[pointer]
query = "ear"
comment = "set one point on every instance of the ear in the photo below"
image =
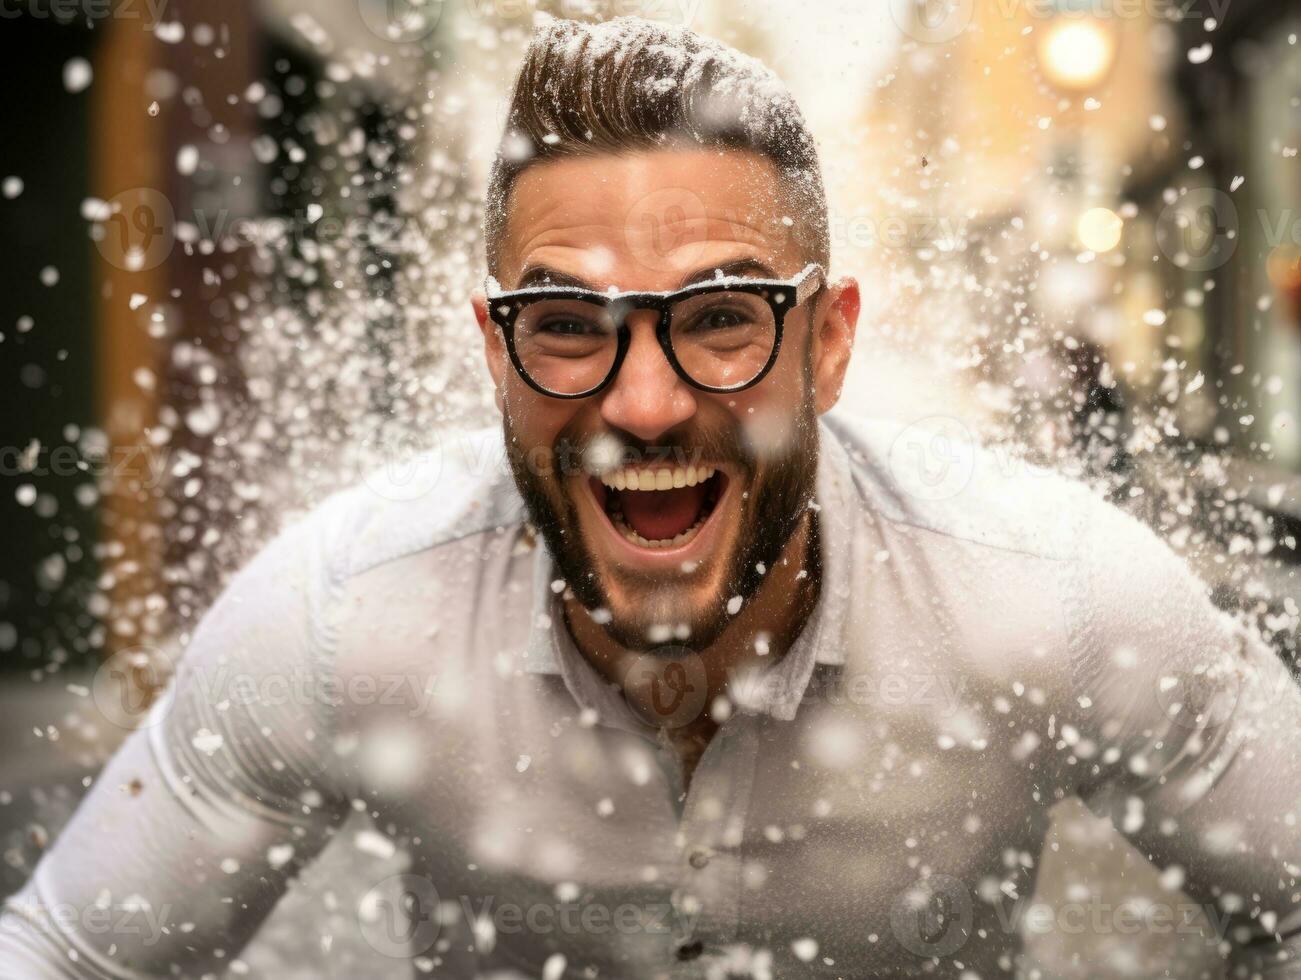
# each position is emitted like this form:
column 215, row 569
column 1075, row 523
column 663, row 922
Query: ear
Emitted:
column 494, row 347
column 833, row 340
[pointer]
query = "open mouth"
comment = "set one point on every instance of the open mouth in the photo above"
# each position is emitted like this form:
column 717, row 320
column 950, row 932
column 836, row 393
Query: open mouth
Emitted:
column 660, row 507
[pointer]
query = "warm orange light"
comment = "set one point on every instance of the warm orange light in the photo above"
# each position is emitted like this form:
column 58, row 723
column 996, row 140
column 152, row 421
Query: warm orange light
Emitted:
column 1077, row 54
column 1284, row 268
column 1098, row 229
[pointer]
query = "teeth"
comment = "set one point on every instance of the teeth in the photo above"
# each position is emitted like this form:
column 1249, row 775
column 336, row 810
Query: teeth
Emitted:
column 658, row 478
column 630, row 478
column 641, row 542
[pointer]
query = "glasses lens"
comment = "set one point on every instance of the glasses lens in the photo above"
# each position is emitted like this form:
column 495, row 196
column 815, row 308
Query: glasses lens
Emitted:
column 723, row 340
column 564, row 345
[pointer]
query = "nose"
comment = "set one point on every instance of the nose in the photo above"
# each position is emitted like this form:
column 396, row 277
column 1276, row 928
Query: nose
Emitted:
column 647, row 397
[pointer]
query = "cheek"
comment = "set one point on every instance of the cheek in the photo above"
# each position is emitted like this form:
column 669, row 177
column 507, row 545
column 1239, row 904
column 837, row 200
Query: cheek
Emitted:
column 771, row 430
column 535, row 419
column 769, row 413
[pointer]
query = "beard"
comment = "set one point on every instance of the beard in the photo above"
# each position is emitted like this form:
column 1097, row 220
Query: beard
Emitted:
column 780, row 480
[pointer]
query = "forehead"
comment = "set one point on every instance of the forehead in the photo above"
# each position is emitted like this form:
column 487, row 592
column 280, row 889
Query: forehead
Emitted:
column 647, row 220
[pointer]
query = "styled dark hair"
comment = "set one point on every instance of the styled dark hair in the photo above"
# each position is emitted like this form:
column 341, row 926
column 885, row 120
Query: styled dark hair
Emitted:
column 633, row 84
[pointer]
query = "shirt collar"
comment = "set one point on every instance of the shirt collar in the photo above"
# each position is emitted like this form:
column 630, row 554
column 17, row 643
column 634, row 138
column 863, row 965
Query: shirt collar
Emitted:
column 779, row 690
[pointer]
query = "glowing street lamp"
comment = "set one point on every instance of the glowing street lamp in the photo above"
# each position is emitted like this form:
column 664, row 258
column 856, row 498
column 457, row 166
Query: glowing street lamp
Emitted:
column 1098, row 229
column 1076, row 54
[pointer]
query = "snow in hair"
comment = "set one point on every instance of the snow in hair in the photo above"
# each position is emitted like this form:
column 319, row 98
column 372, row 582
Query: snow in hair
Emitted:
column 631, row 83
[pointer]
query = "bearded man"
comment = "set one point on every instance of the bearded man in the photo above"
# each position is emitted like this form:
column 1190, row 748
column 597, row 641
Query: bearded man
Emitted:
column 699, row 683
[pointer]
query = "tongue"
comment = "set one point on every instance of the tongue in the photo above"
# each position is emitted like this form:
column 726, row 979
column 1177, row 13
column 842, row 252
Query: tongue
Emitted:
column 660, row 514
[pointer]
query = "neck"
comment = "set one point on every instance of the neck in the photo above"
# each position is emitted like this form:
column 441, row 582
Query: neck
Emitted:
column 762, row 632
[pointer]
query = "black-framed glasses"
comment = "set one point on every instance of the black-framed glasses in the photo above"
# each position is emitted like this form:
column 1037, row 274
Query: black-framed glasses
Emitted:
column 721, row 335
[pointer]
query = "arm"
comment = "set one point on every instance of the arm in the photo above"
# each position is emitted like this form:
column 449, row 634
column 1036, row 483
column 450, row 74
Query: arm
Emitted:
column 1197, row 726
column 192, row 832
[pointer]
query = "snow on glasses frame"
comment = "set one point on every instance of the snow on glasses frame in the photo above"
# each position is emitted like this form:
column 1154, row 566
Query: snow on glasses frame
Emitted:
column 567, row 342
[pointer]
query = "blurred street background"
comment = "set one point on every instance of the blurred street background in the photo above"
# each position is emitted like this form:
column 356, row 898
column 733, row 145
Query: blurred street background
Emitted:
column 240, row 237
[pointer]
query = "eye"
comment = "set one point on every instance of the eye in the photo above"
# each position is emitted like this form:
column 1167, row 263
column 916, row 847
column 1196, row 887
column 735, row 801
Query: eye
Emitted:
column 570, row 327
column 719, row 320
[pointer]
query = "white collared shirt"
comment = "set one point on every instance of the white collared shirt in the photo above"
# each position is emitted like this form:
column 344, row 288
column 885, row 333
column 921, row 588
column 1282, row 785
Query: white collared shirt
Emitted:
column 986, row 643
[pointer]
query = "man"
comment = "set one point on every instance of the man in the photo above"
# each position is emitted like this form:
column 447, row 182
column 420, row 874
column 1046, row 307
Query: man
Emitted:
column 746, row 704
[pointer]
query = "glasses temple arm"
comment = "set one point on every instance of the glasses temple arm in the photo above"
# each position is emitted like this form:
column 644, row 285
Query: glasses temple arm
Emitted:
column 812, row 279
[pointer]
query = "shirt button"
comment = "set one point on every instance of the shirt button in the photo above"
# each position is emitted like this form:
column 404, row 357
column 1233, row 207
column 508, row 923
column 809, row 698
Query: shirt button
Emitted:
column 689, row 951
column 699, row 858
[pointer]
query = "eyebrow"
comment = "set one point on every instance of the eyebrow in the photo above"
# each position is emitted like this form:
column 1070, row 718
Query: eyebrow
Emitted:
column 541, row 275
column 750, row 268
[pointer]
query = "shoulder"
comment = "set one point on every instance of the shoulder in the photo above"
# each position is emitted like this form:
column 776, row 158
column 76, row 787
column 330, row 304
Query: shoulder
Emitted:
column 932, row 475
column 1021, row 551
column 459, row 488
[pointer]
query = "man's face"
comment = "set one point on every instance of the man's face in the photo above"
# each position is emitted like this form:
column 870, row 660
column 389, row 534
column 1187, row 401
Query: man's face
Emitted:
column 664, row 565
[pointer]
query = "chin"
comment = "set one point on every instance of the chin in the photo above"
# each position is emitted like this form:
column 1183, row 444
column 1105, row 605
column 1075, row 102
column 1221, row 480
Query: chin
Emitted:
column 647, row 611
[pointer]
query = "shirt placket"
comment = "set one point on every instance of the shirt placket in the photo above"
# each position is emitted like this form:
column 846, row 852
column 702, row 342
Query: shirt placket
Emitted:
column 706, row 902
